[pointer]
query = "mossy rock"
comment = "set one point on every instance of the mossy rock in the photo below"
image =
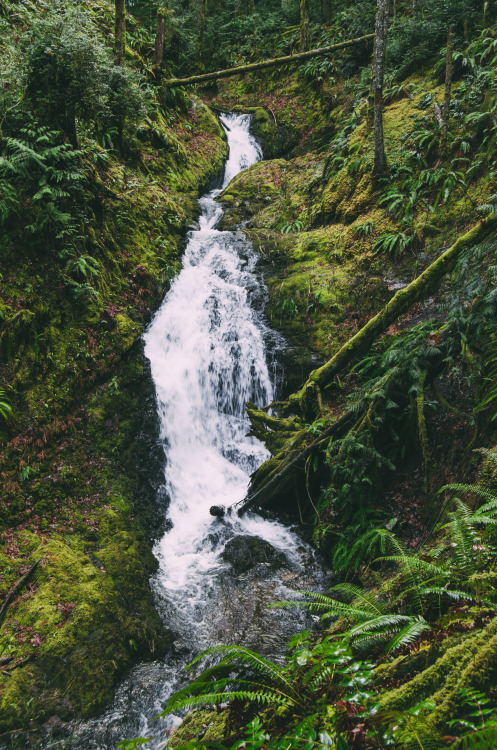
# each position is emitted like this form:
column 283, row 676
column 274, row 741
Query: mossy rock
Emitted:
column 465, row 663
column 276, row 140
column 245, row 552
column 201, row 725
column 84, row 626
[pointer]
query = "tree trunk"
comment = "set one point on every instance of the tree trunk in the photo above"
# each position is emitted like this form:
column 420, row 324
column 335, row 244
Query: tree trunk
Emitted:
column 288, row 59
column 379, row 71
column 120, row 31
column 304, row 25
column 201, row 30
column 160, row 36
column 448, row 84
column 370, row 110
column 423, row 286
column 70, row 128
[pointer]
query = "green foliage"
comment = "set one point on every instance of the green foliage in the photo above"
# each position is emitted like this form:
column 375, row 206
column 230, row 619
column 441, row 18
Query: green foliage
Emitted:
column 482, row 739
column 6, row 414
column 416, row 37
column 40, row 183
column 70, row 76
column 287, row 227
column 348, row 555
column 314, row 667
column 393, row 243
column 372, row 624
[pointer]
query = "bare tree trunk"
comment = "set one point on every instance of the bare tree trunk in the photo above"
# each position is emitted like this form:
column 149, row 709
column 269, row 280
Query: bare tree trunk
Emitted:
column 448, row 84
column 379, row 71
column 370, row 110
column 70, row 127
column 304, row 25
column 120, row 31
column 201, row 30
column 160, row 36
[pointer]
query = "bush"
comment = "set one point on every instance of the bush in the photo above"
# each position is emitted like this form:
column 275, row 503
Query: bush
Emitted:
column 70, row 75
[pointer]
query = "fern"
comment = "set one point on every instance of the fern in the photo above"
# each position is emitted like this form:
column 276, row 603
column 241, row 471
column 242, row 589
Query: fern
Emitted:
column 483, row 739
column 6, row 413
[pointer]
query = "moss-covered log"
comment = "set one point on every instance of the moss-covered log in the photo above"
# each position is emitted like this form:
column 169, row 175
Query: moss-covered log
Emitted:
column 423, row 286
column 286, row 60
column 274, row 475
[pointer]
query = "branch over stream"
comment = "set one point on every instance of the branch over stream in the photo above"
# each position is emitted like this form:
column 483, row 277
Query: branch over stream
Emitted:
column 274, row 62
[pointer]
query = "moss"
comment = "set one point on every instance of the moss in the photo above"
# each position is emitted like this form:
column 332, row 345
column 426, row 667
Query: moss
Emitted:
column 83, row 465
column 80, row 629
column 201, row 725
column 469, row 664
column 127, row 332
column 345, row 198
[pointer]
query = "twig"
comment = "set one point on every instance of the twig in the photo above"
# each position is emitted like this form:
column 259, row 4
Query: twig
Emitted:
column 16, row 587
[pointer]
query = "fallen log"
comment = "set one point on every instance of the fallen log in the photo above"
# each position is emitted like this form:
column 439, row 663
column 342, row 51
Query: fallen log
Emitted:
column 266, row 492
column 422, row 287
column 274, row 62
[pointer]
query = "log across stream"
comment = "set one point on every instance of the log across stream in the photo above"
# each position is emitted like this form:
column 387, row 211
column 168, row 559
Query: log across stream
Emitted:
column 210, row 352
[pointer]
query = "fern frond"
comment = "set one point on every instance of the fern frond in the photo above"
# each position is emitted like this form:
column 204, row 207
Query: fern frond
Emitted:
column 473, row 489
column 483, row 739
column 234, row 654
column 384, row 622
column 409, row 633
column 450, row 593
column 355, row 592
column 214, row 699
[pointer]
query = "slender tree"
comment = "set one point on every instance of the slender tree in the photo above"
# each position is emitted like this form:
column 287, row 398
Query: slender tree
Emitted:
column 448, row 84
column 160, row 36
column 120, row 31
column 379, row 72
column 201, row 30
column 370, row 110
column 304, row 24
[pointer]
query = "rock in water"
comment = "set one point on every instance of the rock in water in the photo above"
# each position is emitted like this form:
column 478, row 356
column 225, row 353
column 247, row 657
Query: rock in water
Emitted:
column 217, row 510
column 245, row 552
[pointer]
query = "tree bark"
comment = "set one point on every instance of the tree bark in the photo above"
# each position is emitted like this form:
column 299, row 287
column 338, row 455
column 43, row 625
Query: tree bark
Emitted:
column 370, row 110
column 379, row 72
column 304, row 25
column 201, row 30
column 423, row 286
column 120, row 31
column 448, row 84
column 160, row 36
column 278, row 478
column 287, row 60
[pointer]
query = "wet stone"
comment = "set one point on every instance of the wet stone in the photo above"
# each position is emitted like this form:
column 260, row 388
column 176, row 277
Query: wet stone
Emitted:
column 245, row 552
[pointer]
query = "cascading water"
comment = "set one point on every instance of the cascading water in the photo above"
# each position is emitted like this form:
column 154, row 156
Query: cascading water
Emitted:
column 206, row 346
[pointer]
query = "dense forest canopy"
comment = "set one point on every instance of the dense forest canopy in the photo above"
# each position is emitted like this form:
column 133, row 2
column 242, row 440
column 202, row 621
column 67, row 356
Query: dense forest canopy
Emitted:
column 374, row 216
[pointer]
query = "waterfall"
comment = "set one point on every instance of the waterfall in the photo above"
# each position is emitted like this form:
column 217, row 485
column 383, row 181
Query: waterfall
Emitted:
column 207, row 355
column 206, row 347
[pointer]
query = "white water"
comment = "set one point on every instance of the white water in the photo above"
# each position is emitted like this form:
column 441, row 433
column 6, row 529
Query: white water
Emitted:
column 208, row 359
column 207, row 354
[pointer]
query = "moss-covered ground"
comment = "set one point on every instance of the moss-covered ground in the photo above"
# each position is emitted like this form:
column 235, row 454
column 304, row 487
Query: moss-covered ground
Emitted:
column 79, row 462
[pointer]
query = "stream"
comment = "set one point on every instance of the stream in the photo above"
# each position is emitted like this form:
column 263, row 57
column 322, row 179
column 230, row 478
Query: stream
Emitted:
column 210, row 352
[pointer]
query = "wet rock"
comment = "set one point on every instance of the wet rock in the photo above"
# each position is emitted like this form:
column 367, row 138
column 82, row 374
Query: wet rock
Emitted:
column 218, row 511
column 245, row 552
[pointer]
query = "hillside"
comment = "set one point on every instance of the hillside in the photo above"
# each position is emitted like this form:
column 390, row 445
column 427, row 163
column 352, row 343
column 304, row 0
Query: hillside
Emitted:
column 382, row 439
